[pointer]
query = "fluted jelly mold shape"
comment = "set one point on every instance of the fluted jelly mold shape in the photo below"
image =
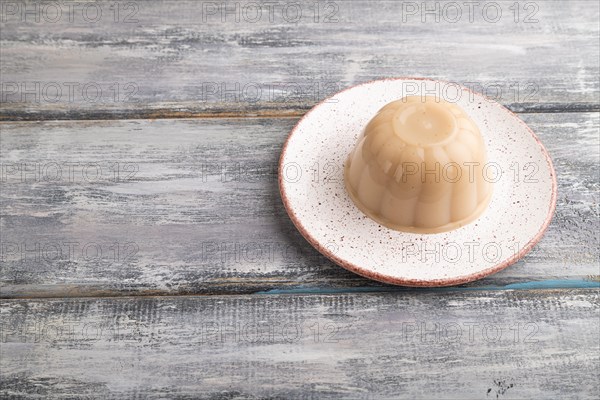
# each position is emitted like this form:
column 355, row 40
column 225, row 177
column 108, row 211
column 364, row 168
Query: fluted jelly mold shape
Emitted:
column 418, row 166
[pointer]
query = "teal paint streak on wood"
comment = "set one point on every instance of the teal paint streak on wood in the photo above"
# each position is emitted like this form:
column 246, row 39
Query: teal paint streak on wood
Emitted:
column 548, row 284
column 553, row 284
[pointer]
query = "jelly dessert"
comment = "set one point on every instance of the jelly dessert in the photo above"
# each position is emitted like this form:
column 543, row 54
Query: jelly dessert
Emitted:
column 418, row 166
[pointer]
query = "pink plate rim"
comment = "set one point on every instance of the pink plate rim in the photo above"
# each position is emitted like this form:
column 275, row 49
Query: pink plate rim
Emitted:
column 417, row 282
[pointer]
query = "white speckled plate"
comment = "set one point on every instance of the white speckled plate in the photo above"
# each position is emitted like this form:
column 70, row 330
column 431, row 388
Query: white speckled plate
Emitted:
column 312, row 189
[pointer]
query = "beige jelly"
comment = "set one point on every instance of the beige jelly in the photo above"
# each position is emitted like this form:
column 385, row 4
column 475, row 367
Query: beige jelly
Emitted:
column 419, row 166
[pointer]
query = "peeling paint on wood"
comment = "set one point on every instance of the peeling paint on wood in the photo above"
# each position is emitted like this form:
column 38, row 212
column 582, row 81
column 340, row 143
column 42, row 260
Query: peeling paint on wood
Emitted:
column 476, row 345
column 181, row 59
column 149, row 207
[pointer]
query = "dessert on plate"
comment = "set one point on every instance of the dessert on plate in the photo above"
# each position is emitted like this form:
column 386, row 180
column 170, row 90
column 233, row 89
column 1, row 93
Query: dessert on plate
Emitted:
column 418, row 166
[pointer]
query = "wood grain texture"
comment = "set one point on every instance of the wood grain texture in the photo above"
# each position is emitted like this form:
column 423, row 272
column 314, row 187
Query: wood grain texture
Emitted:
column 163, row 58
column 478, row 345
column 142, row 205
column 97, row 208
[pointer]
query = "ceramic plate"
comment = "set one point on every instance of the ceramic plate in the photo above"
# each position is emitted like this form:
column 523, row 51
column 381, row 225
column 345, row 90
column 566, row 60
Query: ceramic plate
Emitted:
column 313, row 192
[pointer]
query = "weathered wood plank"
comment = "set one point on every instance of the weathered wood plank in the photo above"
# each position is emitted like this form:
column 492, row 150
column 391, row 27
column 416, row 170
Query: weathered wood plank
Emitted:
column 187, row 59
column 192, row 206
column 478, row 345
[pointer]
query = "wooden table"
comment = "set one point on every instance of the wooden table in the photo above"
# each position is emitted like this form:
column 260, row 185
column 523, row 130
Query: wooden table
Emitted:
column 145, row 249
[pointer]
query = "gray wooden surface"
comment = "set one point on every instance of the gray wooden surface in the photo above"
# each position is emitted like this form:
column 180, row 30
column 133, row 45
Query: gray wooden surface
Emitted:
column 181, row 59
column 192, row 207
column 189, row 209
column 509, row 345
